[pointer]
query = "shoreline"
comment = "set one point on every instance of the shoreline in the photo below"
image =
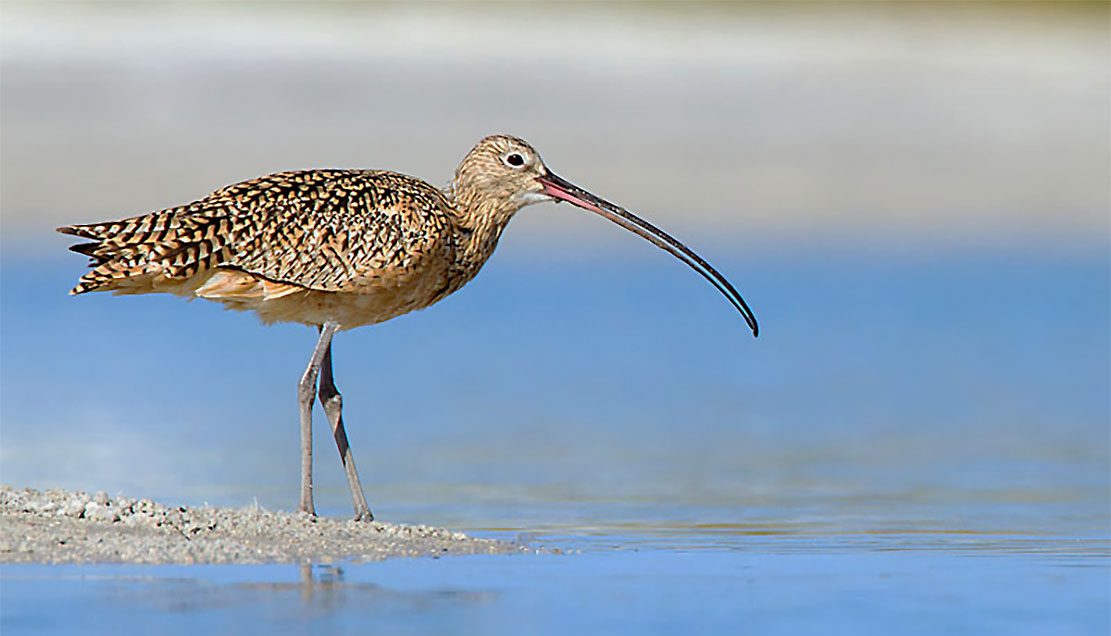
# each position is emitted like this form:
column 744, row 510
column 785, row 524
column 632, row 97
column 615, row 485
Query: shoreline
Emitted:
column 60, row 526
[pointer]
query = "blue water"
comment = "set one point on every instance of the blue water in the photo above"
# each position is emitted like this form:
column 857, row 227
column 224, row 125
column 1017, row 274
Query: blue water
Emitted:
column 919, row 441
column 596, row 592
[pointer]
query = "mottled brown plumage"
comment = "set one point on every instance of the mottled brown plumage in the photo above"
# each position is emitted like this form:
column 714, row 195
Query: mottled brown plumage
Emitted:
column 355, row 246
column 338, row 249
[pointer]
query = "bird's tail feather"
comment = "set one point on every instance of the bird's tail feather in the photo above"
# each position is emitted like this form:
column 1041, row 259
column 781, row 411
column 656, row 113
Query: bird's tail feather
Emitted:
column 125, row 254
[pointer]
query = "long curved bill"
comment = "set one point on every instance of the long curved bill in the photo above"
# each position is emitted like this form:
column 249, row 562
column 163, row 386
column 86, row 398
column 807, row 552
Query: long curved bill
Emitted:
column 563, row 190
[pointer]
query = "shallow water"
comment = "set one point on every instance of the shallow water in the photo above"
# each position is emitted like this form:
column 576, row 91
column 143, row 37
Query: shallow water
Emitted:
column 916, row 441
column 598, row 591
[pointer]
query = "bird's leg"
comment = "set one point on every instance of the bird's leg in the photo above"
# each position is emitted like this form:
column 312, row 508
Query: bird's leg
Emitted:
column 332, row 402
column 306, row 393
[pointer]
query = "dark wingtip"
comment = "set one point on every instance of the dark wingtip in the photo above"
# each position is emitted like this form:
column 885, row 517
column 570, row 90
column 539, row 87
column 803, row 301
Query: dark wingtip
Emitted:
column 84, row 248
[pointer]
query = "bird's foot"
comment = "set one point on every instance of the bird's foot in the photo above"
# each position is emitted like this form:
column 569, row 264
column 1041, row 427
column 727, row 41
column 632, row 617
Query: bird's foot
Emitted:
column 363, row 515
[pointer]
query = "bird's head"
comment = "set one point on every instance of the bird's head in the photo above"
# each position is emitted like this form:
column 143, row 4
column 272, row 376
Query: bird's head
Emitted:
column 502, row 174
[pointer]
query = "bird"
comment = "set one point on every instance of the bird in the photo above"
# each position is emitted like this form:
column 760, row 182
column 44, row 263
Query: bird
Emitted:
column 337, row 249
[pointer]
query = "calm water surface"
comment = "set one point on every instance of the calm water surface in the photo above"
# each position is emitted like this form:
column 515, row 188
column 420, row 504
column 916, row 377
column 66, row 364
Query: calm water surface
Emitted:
column 918, row 442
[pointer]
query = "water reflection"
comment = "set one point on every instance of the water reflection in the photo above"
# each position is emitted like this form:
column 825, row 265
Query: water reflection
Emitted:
column 295, row 592
column 616, row 591
column 324, row 589
column 325, row 578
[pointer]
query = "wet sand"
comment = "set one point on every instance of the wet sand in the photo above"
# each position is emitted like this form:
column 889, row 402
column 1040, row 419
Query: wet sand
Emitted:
column 57, row 526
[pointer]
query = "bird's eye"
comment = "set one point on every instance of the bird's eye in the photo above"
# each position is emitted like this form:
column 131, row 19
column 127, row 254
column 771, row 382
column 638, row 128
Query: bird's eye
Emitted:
column 515, row 160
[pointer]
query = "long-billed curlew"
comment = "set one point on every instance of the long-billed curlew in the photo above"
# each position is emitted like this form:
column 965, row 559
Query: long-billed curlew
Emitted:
column 338, row 249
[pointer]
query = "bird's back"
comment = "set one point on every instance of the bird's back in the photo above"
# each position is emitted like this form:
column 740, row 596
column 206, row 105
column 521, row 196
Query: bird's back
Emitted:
column 312, row 237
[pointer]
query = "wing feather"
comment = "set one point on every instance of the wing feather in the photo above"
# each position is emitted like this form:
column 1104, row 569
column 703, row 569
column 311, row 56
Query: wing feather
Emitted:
column 313, row 229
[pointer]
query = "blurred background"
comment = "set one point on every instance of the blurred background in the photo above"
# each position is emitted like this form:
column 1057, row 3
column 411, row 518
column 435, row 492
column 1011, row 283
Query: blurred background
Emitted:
column 912, row 196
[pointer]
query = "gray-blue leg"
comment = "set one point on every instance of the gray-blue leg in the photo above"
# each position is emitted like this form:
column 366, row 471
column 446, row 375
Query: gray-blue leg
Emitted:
column 306, row 392
column 332, row 402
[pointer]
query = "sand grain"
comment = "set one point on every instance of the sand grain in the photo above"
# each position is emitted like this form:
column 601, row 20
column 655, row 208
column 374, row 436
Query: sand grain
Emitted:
column 57, row 526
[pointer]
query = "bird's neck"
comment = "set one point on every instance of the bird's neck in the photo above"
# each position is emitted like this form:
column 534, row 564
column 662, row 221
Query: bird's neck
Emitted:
column 479, row 222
